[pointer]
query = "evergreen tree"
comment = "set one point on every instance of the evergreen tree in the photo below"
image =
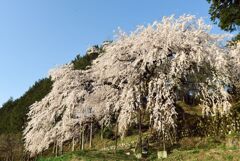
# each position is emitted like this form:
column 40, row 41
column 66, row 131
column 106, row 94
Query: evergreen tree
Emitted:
column 13, row 112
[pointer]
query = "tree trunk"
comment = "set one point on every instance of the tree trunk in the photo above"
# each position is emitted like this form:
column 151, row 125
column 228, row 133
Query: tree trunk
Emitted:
column 90, row 139
column 170, row 137
column 61, row 148
column 116, row 137
column 80, row 141
column 140, row 129
column 73, row 144
column 83, row 139
column 163, row 133
column 56, row 152
column 54, row 147
column 164, row 147
column 218, row 124
column 101, row 133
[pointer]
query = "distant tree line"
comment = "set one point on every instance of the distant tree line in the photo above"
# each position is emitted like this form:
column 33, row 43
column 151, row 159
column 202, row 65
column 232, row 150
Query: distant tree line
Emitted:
column 13, row 112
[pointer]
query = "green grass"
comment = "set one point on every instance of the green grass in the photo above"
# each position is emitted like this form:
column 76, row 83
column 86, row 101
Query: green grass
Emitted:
column 204, row 149
column 92, row 155
column 218, row 154
column 213, row 154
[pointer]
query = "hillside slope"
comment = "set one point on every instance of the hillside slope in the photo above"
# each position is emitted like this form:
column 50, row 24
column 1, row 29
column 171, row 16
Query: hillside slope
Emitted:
column 13, row 112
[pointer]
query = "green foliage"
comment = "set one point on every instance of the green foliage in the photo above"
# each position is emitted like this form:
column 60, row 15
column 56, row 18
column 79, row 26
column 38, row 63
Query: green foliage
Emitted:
column 82, row 62
column 226, row 13
column 236, row 38
column 108, row 133
column 13, row 112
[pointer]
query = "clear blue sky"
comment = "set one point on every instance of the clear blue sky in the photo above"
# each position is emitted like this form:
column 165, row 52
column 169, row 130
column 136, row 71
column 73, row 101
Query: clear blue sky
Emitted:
column 36, row 35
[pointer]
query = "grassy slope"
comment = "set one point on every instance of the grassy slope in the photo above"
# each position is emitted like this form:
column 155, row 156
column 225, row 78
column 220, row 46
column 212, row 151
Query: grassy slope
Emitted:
column 188, row 149
column 91, row 155
column 218, row 153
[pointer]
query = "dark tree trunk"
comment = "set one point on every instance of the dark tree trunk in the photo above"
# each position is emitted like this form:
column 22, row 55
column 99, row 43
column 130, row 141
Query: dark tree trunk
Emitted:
column 54, row 147
column 116, row 137
column 102, row 133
